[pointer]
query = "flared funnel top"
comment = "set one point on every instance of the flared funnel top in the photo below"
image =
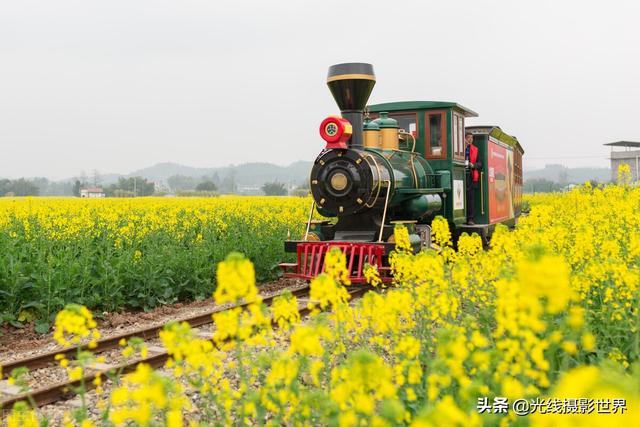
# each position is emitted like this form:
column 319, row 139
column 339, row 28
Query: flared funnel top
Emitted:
column 351, row 84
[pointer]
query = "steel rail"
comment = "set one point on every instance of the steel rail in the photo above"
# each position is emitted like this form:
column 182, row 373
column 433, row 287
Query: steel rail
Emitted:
column 43, row 360
column 64, row 390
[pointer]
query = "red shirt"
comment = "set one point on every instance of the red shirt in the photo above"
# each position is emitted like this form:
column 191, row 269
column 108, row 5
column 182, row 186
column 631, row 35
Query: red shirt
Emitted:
column 473, row 158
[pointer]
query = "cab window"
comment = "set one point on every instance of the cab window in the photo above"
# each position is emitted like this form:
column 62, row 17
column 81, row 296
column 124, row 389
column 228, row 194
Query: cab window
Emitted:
column 435, row 140
column 408, row 122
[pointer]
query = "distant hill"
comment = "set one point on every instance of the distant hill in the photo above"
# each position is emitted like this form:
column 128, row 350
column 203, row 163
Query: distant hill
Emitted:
column 106, row 179
column 246, row 174
column 563, row 174
column 162, row 171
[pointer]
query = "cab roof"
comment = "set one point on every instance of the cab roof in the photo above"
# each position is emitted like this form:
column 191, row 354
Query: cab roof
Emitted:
column 420, row 105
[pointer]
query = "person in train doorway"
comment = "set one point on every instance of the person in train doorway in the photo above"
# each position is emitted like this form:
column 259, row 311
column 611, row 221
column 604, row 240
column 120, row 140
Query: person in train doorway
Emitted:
column 473, row 165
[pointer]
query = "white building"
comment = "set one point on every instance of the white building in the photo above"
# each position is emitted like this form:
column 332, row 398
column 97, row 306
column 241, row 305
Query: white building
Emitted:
column 629, row 155
column 92, row 193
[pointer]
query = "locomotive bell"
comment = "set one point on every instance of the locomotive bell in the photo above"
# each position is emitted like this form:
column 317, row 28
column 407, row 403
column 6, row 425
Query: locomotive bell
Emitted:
column 351, row 84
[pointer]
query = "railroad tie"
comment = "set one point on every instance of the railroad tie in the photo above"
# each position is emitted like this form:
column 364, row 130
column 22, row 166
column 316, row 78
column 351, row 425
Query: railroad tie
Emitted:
column 9, row 389
column 156, row 349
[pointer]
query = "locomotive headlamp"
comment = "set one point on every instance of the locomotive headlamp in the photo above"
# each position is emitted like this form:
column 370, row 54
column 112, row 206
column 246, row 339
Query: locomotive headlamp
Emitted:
column 339, row 181
column 336, row 131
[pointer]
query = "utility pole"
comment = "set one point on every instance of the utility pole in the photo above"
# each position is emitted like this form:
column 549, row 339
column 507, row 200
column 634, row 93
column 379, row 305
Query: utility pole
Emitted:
column 135, row 188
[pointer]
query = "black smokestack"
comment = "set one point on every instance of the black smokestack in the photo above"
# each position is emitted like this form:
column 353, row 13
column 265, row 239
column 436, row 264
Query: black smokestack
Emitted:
column 351, row 84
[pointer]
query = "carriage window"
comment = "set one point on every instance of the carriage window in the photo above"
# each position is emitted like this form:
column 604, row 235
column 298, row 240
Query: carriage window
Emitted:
column 407, row 122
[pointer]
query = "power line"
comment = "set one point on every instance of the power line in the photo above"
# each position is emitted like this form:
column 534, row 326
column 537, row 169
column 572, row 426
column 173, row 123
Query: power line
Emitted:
column 564, row 157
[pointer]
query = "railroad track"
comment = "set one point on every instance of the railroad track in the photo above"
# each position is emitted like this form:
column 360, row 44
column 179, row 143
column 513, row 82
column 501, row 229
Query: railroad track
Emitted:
column 156, row 359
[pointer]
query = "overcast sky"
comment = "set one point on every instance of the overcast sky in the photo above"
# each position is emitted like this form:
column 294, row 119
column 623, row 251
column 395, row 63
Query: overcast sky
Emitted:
column 118, row 85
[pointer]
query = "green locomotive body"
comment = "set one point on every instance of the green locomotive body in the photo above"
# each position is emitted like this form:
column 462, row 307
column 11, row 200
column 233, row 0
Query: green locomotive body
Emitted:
column 400, row 162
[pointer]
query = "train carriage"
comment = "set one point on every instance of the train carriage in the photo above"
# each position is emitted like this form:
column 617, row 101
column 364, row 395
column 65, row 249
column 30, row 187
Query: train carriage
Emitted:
column 500, row 189
column 399, row 162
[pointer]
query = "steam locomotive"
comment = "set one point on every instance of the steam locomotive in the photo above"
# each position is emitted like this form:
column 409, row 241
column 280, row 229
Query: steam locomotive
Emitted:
column 399, row 162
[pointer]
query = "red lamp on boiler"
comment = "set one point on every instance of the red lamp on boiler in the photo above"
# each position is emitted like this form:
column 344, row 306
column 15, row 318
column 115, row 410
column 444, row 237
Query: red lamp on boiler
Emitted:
column 336, row 131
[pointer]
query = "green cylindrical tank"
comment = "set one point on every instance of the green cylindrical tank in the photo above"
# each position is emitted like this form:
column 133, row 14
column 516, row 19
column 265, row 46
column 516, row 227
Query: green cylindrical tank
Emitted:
column 422, row 206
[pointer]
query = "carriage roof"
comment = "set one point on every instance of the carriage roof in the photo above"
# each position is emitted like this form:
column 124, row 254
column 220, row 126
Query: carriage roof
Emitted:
column 420, row 105
column 497, row 133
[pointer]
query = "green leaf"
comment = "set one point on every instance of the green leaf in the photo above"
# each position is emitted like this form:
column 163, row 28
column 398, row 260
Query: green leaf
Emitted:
column 33, row 304
column 42, row 327
column 27, row 286
column 7, row 317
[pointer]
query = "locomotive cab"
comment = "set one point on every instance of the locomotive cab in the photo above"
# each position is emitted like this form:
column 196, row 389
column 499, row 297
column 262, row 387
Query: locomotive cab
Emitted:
column 440, row 129
column 500, row 188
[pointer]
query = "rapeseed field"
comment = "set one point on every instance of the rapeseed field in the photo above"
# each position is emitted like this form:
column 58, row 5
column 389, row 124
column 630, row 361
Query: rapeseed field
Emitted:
column 540, row 329
column 110, row 254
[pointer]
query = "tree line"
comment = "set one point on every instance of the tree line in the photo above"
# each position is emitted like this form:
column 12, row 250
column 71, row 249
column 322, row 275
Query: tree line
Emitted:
column 18, row 187
column 542, row 185
column 125, row 187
